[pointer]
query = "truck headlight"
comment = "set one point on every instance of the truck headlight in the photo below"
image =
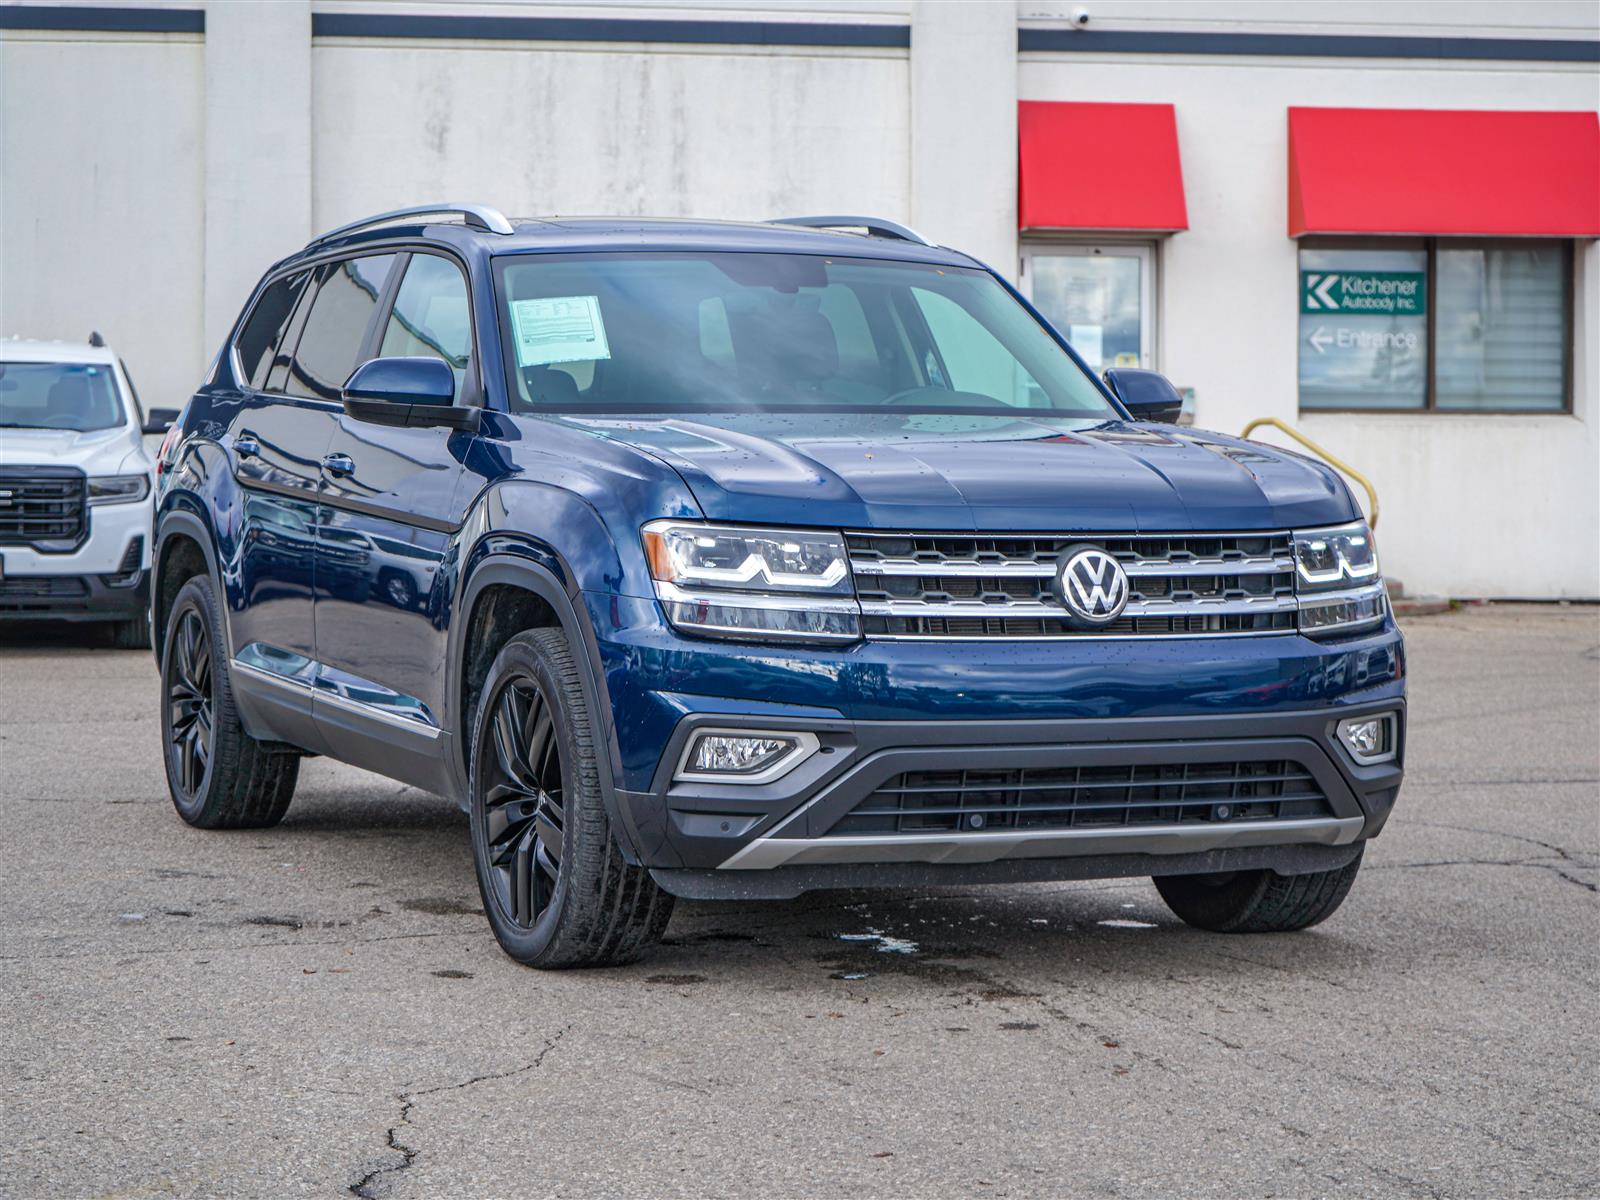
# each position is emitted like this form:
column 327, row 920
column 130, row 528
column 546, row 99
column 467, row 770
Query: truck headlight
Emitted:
column 118, row 489
column 1337, row 580
column 736, row 581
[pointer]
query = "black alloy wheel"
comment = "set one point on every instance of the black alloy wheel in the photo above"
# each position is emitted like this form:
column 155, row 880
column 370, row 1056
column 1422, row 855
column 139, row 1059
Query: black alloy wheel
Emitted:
column 556, row 889
column 524, row 810
column 189, row 694
column 219, row 776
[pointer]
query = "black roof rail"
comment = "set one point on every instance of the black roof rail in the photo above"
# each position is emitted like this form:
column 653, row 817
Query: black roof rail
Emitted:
column 95, row 339
column 873, row 225
column 477, row 216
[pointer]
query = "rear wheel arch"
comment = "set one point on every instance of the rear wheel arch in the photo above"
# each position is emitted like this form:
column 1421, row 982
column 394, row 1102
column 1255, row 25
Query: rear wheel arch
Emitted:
column 183, row 550
column 508, row 592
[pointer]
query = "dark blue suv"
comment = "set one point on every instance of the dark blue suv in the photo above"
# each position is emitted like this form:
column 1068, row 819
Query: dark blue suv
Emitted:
column 736, row 560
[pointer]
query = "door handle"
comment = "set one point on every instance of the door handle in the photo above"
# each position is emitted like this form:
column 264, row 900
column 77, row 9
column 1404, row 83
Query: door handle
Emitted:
column 246, row 446
column 339, row 465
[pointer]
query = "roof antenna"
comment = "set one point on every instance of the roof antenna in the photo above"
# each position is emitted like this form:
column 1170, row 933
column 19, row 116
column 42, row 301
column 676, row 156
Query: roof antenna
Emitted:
column 95, row 339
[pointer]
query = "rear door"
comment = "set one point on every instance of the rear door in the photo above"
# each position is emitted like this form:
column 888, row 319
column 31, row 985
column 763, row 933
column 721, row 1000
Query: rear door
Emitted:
column 310, row 324
column 393, row 503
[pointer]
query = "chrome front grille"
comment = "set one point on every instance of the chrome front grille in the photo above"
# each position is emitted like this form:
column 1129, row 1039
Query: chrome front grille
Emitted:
column 41, row 504
column 979, row 586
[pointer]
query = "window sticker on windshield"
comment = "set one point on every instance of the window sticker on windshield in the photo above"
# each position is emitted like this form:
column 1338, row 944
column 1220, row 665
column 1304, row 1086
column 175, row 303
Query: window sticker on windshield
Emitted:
column 558, row 329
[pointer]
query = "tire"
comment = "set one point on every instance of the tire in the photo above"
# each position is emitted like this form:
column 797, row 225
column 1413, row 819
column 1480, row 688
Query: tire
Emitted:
column 219, row 776
column 132, row 634
column 554, row 885
column 1257, row 901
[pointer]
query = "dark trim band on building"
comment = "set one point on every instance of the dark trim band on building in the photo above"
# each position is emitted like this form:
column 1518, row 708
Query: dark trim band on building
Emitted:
column 609, row 29
column 96, row 18
column 1306, row 45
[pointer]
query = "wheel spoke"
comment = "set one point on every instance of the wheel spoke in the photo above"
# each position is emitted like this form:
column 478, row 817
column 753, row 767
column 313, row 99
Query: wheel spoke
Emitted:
column 523, row 910
column 549, row 835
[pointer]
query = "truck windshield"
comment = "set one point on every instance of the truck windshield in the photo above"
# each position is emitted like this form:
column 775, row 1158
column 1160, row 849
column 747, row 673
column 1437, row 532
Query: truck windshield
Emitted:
column 736, row 332
column 80, row 396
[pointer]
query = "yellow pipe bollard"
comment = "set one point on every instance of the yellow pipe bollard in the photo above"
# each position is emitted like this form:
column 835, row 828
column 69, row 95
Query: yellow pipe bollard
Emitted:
column 1372, row 492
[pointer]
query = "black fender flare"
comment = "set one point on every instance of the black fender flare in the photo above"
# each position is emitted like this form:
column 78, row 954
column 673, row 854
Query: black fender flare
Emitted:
column 517, row 565
column 180, row 519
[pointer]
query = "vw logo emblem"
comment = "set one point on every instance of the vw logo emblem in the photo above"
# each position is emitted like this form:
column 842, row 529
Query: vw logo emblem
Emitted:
column 1093, row 586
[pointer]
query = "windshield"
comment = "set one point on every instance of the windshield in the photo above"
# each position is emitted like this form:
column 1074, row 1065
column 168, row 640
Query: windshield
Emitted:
column 80, row 396
column 775, row 332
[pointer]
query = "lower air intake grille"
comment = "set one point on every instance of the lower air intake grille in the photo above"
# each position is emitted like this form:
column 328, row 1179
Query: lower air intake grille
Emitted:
column 1079, row 797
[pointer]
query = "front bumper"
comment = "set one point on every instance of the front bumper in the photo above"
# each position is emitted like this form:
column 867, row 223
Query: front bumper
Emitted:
column 74, row 597
column 782, row 838
column 105, row 577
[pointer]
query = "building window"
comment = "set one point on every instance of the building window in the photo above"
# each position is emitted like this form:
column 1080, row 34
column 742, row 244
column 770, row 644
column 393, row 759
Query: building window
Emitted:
column 1101, row 298
column 1446, row 325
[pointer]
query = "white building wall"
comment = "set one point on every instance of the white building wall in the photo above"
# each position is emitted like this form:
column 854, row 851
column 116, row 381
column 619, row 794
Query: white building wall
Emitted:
column 102, row 206
column 664, row 130
column 1452, row 486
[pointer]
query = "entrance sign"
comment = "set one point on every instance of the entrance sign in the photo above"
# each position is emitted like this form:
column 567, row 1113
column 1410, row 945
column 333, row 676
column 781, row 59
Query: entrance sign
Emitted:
column 1370, row 293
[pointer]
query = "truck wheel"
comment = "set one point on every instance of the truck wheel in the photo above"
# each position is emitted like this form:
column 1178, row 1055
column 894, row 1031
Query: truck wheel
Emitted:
column 132, row 634
column 219, row 776
column 1257, row 901
column 555, row 888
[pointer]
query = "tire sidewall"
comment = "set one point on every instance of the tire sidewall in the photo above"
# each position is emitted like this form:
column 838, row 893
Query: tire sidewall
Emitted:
column 522, row 659
column 194, row 596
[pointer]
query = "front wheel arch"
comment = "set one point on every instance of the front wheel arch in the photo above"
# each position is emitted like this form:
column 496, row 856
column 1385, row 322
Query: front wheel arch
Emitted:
column 532, row 593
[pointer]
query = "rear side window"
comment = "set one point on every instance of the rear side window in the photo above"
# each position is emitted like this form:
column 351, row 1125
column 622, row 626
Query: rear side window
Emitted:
column 431, row 317
column 263, row 332
column 336, row 327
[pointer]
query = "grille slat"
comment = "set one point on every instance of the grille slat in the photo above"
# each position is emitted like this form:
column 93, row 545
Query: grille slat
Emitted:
column 41, row 504
column 979, row 586
column 1068, row 797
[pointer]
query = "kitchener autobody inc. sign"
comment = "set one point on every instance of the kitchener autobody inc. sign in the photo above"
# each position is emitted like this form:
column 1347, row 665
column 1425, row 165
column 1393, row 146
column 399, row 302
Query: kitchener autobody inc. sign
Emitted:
column 1371, row 293
column 1363, row 335
column 1340, row 295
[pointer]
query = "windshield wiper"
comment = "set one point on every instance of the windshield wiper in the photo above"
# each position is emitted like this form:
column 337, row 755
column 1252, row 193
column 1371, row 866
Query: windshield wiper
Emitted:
column 24, row 425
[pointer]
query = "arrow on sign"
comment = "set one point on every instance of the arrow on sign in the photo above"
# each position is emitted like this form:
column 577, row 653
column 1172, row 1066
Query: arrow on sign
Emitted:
column 1320, row 339
column 1318, row 290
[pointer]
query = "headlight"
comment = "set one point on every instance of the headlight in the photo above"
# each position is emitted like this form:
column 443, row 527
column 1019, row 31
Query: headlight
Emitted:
column 118, row 489
column 1329, row 559
column 1337, row 580
column 732, row 581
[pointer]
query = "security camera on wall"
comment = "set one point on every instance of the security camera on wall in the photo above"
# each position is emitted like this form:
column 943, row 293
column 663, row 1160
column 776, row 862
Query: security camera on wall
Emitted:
column 1080, row 18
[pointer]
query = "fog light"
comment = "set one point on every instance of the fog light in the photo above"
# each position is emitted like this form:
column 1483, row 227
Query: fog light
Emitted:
column 1369, row 739
column 738, row 756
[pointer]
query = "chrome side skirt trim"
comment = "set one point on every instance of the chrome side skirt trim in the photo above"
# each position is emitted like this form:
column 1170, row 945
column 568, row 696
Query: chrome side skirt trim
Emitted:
column 315, row 695
column 766, row 853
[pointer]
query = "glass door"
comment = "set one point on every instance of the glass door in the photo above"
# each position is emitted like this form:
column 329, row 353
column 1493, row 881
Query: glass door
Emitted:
column 1100, row 297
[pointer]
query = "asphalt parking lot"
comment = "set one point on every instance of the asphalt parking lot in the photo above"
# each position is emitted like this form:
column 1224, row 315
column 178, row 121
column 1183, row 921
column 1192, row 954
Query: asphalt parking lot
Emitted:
column 320, row 1009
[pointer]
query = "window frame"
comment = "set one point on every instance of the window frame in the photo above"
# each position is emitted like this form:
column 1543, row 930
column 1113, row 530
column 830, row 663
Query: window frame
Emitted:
column 1431, row 247
column 472, row 395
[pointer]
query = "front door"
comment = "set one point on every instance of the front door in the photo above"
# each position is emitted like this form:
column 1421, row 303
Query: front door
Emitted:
column 1100, row 298
column 392, row 503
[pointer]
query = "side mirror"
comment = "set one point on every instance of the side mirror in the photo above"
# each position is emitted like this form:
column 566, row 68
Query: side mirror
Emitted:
column 159, row 420
column 408, row 392
column 1147, row 395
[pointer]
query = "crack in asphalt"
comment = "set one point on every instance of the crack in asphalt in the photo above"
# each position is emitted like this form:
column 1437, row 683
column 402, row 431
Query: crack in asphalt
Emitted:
column 1562, row 851
column 1490, row 862
column 364, row 1186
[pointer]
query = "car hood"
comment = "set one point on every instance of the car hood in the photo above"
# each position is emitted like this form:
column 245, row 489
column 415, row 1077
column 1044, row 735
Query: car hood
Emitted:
column 115, row 451
column 978, row 472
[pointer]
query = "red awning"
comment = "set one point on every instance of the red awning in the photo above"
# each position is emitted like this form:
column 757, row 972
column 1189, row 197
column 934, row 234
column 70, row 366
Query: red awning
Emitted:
column 1421, row 171
column 1099, row 166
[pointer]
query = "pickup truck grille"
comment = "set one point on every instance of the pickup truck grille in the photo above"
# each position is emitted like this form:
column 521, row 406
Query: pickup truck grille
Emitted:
column 980, row 586
column 1079, row 797
column 41, row 504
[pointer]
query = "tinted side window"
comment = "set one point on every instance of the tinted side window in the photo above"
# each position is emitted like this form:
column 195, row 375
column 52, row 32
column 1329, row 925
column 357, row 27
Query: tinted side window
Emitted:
column 337, row 325
column 264, row 330
column 431, row 317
